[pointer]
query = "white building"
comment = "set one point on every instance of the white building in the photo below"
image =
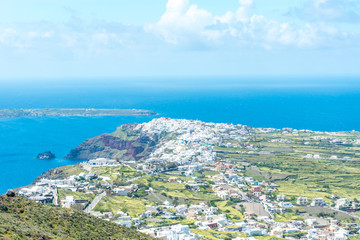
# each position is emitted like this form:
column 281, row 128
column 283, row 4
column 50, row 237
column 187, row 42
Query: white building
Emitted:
column 126, row 223
column 342, row 203
column 102, row 162
column 311, row 222
column 68, row 201
column 317, row 202
column 285, row 204
column 302, row 201
column 281, row 198
column 120, row 191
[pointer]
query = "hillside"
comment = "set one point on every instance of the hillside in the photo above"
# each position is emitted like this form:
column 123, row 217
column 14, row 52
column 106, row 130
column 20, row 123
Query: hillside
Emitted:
column 214, row 180
column 23, row 219
column 126, row 143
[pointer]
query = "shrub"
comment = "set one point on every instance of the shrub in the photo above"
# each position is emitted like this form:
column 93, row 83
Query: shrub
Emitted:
column 3, row 208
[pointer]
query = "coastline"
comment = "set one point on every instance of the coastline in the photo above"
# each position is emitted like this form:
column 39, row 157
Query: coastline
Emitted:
column 171, row 162
column 131, row 141
column 72, row 112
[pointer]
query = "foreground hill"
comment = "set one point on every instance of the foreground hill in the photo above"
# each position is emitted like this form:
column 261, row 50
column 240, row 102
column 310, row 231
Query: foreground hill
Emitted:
column 23, row 219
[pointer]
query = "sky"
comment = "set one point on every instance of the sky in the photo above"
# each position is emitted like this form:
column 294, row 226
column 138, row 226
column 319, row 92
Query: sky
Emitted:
column 178, row 38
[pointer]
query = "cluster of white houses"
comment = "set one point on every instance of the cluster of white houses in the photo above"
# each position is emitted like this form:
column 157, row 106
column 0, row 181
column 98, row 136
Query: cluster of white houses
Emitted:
column 193, row 150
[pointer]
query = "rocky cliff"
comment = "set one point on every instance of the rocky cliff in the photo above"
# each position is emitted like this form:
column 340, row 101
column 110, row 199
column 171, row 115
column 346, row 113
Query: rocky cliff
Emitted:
column 127, row 143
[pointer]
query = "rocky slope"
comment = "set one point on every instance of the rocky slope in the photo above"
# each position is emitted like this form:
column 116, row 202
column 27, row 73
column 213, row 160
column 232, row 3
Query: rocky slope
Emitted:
column 23, row 219
column 127, row 143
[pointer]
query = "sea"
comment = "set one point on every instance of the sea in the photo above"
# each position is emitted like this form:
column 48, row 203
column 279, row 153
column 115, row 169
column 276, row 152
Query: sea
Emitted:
column 316, row 103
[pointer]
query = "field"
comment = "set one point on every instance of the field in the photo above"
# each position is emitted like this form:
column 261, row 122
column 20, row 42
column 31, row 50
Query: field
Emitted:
column 73, row 170
column 214, row 235
column 197, row 196
column 128, row 205
column 77, row 195
column 285, row 164
column 116, row 174
column 287, row 217
column 167, row 185
column 233, row 214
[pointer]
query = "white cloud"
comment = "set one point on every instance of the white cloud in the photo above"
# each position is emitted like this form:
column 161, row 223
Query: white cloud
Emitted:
column 182, row 20
column 244, row 11
column 183, row 23
column 329, row 11
column 271, row 33
column 75, row 38
column 16, row 39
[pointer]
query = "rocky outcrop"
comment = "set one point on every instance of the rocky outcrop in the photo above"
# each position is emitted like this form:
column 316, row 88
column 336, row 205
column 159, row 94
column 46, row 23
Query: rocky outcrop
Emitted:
column 10, row 193
column 56, row 173
column 46, row 155
column 127, row 143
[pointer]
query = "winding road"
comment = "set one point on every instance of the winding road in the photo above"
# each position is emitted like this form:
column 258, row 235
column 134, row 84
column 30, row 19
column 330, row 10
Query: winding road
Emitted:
column 95, row 202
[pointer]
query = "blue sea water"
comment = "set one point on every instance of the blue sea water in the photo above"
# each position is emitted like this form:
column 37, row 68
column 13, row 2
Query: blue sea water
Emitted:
column 316, row 104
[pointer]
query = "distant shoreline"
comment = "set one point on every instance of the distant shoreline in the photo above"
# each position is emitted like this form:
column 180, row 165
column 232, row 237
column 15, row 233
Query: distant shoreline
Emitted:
column 72, row 112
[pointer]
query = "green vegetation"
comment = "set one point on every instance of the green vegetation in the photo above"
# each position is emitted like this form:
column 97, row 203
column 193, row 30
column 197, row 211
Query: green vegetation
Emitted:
column 168, row 222
column 72, row 170
column 214, row 235
column 269, row 238
column 286, row 165
column 287, row 217
column 295, row 235
column 114, row 204
column 167, row 185
column 144, row 180
column 64, row 172
column 23, row 219
column 123, row 134
column 176, row 174
column 200, row 196
column 77, row 195
column 233, row 214
column 229, row 149
column 116, row 174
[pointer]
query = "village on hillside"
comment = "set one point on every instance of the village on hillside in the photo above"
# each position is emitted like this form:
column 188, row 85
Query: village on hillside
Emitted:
column 220, row 181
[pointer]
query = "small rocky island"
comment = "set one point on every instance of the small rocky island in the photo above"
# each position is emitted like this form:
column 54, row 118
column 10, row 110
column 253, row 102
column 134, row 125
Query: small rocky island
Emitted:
column 72, row 112
column 48, row 155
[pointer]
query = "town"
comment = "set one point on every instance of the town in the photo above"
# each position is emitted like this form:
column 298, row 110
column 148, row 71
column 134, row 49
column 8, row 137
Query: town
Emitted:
column 220, row 181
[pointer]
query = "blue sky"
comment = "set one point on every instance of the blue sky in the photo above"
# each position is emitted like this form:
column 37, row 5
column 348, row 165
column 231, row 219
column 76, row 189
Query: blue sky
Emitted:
column 175, row 38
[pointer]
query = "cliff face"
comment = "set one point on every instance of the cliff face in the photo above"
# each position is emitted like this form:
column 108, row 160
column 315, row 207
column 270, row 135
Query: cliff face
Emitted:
column 127, row 143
